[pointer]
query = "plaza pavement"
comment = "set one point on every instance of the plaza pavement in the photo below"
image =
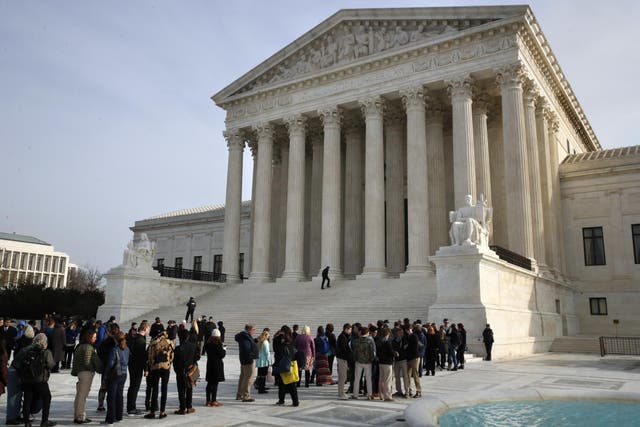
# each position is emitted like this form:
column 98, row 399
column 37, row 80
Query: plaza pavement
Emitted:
column 554, row 372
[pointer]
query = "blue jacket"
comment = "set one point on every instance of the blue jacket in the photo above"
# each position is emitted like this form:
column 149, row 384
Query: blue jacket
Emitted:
column 247, row 347
column 112, row 360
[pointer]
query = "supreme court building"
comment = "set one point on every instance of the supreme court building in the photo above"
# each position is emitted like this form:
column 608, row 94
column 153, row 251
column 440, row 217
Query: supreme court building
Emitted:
column 368, row 129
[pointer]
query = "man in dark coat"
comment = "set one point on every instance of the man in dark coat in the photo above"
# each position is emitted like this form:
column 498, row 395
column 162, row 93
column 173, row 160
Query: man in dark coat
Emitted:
column 156, row 328
column 487, row 339
column 344, row 356
column 185, row 355
column 137, row 361
column 58, row 340
column 248, row 353
column 8, row 335
column 191, row 308
column 325, row 277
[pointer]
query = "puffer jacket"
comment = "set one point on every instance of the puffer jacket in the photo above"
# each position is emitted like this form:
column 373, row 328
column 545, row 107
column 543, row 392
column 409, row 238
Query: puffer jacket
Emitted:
column 85, row 358
column 160, row 353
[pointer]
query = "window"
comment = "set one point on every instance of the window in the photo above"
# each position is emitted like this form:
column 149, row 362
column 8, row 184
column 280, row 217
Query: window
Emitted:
column 178, row 263
column 32, row 258
column 593, row 242
column 6, row 258
column 197, row 263
column 217, row 266
column 14, row 260
column 568, row 147
column 23, row 261
column 598, row 306
column 54, row 264
column 39, row 263
column 635, row 231
column 160, row 262
column 47, row 261
column 63, row 262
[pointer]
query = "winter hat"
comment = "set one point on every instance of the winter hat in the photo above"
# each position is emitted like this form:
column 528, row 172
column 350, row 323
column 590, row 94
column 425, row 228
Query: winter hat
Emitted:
column 215, row 333
column 28, row 332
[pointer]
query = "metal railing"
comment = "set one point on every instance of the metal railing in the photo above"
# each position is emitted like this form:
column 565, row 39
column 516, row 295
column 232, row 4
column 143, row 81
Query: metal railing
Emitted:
column 512, row 257
column 183, row 273
column 629, row 346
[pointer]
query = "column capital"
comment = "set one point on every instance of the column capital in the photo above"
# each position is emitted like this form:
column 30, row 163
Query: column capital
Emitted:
column 296, row 123
column 553, row 120
column 235, row 139
column 480, row 103
column 542, row 105
column 264, row 130
column 510, row 75
column 330, row 115
column 530, row 92
column 460, row 87
column 352, row 123
column 253, row 146
column 372, row 106
column 435, row 110
column 412, row 97
column 394, row 117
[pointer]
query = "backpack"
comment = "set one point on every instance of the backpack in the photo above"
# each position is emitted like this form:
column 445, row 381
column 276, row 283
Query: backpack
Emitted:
column 32, row 368
column 324, row 346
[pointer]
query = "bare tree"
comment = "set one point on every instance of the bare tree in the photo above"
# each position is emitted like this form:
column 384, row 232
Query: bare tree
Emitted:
column 85, row 278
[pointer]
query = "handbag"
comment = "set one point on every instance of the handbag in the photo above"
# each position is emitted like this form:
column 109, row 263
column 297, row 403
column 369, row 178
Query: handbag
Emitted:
column 284, row 365
column 192, row 375
column 292, row 375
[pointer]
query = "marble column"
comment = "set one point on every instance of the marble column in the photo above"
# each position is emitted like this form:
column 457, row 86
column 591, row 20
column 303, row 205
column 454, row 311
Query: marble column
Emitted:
column 464, row 175
column 515, row 161
column 499, row 233
column 438, row 213
column 316, row 203
column 374, row 238
column 394, row 190
column 262, row 222
column 233, row 206
column 417, row 191
column 544, row 159
column 294, row 252
column 331, row 192
column 481, row 149
column 354, row 197
column 253, row 146
column 556, row 203
column 537, row 216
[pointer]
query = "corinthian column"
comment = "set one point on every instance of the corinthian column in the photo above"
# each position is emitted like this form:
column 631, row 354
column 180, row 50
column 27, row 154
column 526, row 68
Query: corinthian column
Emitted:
column 438, row 215
column 481, row 149
column 544, row 159
column 262, row 222
column 233, row 204
column 418, row 216
column 537, row 215
column 374, row 244
column 353, row 197
column 331, row 192
column 315, row 227
column 556, row 205
column 515, row 161
column 464, row 175
column 394, row 190
column 294, row 252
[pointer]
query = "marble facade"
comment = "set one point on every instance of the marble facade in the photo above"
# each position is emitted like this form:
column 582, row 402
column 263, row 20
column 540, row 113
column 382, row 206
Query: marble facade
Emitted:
column 399, row 113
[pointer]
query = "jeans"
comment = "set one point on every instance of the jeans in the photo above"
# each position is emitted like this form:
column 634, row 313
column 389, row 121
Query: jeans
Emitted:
column 157, row 375
column 33, row 392
column 185, row 395
column 14, row 395
column 115, row 398
column 452, row 356
column 135, row 378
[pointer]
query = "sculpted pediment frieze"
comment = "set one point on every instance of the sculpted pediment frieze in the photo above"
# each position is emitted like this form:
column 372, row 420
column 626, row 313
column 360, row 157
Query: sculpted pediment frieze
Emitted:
column 351, row 41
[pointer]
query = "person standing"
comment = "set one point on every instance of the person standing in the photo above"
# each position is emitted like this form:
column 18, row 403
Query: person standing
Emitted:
column 487, row 339
column 8, row 336
column 85, row 365
column 364, row 352
column 191, row 308
column 116, row 372
column 284, row 349
column 344, row 356
column 413, row 360
column 159, row 360
column 71, row 335
column 454, row 342
column 14, row 386
column 137, row 362
column 328, row 331
column 248, row 353
column 306, row 351
column 34, row 364
column 215, row 367
column 462, row 346
column 58, row 339
column 385, row 363
column 325, row 277
column 264, row 356
column 431, row 351
column 400, row 372
column 156, row 328
column 185, row 355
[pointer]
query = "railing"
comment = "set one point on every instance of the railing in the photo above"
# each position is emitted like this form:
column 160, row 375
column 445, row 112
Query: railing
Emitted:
column 512, row 257
column 183, row 273
column 620, row 345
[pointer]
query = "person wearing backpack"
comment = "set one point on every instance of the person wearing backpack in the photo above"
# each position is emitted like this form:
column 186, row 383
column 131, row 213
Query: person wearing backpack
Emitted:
column 159, row 360
column 321, row 372
column 115, row 370
column 364, row 352
column 34, row 364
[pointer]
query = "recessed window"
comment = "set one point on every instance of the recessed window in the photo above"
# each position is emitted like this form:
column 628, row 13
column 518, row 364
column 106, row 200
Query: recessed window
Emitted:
column 598, row 306
column 197, row 263
column 178, row 264
column 160, row 262
column 217, row 265
column 635, row 231
column 593, row 242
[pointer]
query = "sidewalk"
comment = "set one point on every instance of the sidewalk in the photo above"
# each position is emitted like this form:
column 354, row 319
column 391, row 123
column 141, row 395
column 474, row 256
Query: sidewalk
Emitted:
column 319, row 405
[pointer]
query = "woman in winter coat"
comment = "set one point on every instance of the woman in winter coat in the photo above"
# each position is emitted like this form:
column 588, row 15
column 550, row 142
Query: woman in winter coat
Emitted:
column 116, row 371
column 431, row 351
column 215, row 367
column 284, row 348
column 264, row 356
column 462, row 332
column 306, row 353
column 58, row 339
column 85, row 365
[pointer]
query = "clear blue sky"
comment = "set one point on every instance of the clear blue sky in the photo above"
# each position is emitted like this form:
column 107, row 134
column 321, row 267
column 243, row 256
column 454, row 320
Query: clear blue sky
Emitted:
column 106, row 117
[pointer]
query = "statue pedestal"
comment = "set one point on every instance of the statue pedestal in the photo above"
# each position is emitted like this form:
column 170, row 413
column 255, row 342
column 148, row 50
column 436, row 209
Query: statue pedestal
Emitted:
column 475, row 287
column 130, row 292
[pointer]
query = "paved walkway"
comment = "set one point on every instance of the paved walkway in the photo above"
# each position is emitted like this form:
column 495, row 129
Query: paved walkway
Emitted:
column 319, row 406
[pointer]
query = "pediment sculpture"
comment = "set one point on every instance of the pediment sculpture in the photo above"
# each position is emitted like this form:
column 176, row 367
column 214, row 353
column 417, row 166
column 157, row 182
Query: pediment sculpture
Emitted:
column 351, row 40
column 139, row 254
column 470, row 224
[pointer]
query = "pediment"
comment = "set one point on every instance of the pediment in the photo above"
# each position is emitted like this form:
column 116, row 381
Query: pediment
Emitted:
column 355, row 35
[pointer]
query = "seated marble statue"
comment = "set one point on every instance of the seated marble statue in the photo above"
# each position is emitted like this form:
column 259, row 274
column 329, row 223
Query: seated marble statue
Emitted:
column 470, row 223
column 139, row 254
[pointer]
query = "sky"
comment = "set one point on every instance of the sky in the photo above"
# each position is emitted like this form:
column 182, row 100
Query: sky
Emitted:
column 106, row 116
